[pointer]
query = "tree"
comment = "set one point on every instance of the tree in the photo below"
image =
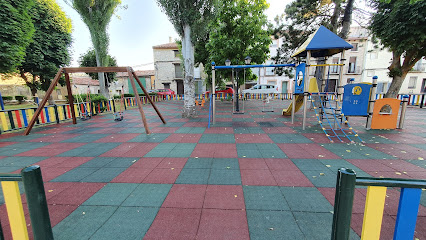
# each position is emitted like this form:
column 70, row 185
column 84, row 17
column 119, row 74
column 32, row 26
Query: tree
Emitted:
column 49, row 48
column 96, row 14
column 401, row 27
column 185, row 15
column 89, row 60
column 16, row 31
column 239, row 30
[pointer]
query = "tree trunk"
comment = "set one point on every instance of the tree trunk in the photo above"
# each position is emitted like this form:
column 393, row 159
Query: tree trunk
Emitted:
column 103, row 85
column 347, row 19
column 29, row 84
column 336, row 15
column 189, row 85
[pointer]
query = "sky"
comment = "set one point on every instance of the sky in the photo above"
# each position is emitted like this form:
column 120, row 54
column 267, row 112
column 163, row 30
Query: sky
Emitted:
column 135, row 30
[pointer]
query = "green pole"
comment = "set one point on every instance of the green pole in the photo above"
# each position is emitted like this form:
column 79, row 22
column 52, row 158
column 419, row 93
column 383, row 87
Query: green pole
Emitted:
column 37, row 203
column 343, row 201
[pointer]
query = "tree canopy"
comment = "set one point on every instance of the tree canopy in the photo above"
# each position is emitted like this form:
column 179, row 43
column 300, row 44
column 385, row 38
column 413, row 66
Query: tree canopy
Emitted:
column 401, row 27
column 239, row 30
column 49, row 49
column 96, row 14
column 89, row 60
column 16, row 31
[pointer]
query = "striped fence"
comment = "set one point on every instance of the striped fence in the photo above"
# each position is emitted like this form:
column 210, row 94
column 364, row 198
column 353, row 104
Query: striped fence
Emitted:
column 413, row 100
column 36, row 202
column 409, row 201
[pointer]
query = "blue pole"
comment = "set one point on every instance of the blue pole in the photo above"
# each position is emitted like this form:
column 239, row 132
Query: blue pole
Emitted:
column 1, row 102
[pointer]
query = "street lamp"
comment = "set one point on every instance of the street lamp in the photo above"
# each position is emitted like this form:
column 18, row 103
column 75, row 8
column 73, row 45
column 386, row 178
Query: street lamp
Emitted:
column 228, row 62
column 247, row 60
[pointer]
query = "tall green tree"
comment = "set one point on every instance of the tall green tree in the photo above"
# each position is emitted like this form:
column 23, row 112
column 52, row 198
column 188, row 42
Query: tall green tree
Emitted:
column 89, row 60
column 239, row 30
column 16, row 31
column 185, row 15
column 401, row 27
column 96, row 14
column 49, row 49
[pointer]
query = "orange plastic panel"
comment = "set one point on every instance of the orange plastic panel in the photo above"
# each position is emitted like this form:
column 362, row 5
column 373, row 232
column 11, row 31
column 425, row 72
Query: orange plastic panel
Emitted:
column 385, row 120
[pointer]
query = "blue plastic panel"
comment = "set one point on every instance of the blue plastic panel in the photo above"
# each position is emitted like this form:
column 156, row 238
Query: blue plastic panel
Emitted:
column 355, row 99
column 300, row 78
column 408, row 209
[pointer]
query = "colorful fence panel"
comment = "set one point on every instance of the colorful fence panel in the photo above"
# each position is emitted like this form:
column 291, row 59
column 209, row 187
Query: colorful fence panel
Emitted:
column 413, row 99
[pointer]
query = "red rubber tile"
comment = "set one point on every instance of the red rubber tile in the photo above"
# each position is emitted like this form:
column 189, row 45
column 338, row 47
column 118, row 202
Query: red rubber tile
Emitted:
column 253, row 138
column 164, row 129
column 218, row 119
column 185, row 196
column 224, row 197
column 59, row 129
column 76, row 194
column 149, row 163
column 63, row 161
column 118, row 137
column 306, row 150
column 401, row 165
column 218, row 150
column 4, row 144
column 51, row 162
column 132, row 175
column 401, row 151
column 417, row 175
column 317, row 137
column 50, row 150
column 252, row 163
column 224, row 130
column 269, row 130
column 258, row 178
column 283, row 164
column 182, row 138
column 420, row 228
column 223, row 224
column 55, row 138
column 109, row 130
column 388, row 174
column 50, row 173
column 371, row 165
column 140, row 149
column 405, row 138
column 120, row 150
column 291, row 179
column 52, row 189
column 172, row 163
column 163, row 175
column 60, row 212
column 359, row 198
column 174, row 223
column 196, row 124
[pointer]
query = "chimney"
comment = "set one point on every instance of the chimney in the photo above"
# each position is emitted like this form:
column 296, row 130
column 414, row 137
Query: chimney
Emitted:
column 170, row 39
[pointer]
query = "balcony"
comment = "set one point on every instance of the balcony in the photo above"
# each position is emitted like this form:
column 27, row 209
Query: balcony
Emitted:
column 352, row 70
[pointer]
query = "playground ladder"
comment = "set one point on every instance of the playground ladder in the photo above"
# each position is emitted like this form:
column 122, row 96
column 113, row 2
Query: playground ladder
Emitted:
column 328, row 107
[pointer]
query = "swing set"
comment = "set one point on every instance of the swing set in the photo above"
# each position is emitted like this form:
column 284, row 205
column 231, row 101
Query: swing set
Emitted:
column 67, row 71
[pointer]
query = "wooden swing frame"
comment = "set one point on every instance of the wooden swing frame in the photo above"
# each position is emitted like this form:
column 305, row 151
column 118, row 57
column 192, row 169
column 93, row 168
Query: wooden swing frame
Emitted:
column 68, row 70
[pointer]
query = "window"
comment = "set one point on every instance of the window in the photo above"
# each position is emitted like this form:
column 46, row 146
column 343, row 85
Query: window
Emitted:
column 177, row 53
column 166, row 85
column 334, row 69
column 379, row 87
column 178, row 71
column 352, row 65
column 370, row 73
column 412, row 82
column 374, row 55
column 355, row 47
column 263, row 87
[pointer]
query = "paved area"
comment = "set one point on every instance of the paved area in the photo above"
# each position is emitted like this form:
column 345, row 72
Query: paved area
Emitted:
column 251, row 176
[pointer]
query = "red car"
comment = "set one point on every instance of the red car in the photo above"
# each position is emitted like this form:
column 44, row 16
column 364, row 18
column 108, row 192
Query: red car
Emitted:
column 228, row 90
column 165, row 92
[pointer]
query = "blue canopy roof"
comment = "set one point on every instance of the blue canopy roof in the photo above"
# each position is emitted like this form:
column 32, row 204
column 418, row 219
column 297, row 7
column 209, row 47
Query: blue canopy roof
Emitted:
column 321, row 43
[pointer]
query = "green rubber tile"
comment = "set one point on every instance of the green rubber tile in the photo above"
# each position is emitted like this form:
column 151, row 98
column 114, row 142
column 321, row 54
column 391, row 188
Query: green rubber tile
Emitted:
column 153, row 137
column 371, row 138
column 98, row 162
column 9, row 169
column 355, row 151
column 122, row 162
column 317, row 225
column 238, row 130
column 249, row 153
column 193, row 176
column 259, row 150
column 422, row 200
column 83, row 222
column 420, row 163
column 192, row 130
column 420, row 146
column 148, row 195
column 335, row 164
column 24, row 138
column 217, row 138
column 222, row 124
column 306, row 199
column 89, row 150
column 272, row 153
column 273, row 225
column 225, row 163
column 270, row 124
column 310, row 164
column 264, row 198
column 321, row 178
column 225, row 177
column 199, row 163
column 103, row 175
column 289, row 138
column 14, row 149
column 74, row 152
column 75, row 175
column 173, row 124
column 180, row 153
column 112, row 194
column 86, row 138
column 309, row 129
column 243, row 120
column 20, row 162
column 127, row 223
column 133, row 130
column 172, row 150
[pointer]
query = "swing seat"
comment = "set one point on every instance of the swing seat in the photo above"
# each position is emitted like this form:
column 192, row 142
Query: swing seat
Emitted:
column 118, row 117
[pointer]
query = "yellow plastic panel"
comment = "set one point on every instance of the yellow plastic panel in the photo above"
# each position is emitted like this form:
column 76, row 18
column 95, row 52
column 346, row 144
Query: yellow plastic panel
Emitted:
column 373, row 214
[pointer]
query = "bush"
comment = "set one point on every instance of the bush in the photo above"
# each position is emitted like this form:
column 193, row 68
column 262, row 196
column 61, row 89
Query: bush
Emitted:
column 98, row 98
column 7, row 98
column 129, row 95
column 20, row 98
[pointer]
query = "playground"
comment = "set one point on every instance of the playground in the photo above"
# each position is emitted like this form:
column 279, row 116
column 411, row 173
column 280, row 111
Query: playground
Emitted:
column 254, row 176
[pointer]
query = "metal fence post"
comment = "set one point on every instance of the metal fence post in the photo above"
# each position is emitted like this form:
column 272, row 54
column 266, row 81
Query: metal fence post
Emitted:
column 403, row 110
column 343, row 201
column 37, row 203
